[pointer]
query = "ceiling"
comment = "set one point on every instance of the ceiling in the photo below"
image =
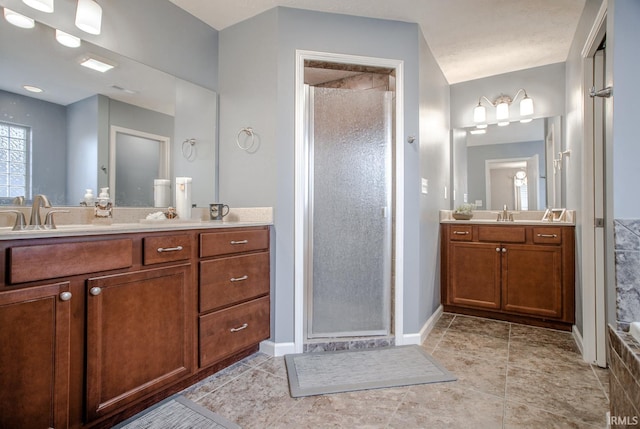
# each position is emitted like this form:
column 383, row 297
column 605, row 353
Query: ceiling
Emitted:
column 470, row 39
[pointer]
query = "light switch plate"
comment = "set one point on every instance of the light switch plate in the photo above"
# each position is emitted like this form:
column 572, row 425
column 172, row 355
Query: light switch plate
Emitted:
column 478, row 203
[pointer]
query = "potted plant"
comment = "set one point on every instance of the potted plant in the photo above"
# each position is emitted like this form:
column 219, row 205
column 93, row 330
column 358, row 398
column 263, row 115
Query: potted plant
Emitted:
column 463, row 212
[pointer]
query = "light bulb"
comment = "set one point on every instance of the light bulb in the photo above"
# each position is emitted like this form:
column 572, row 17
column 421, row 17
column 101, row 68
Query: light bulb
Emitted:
column 89, row 16
column 41, row 5
column 502, row 111
column 18, row 20
column 67, row 39
column 479, row 114
column 526, row 107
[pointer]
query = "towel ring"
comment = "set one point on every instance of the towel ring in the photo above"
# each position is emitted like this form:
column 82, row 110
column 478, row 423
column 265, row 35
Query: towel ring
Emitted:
column 188, row 148
column 249, row 132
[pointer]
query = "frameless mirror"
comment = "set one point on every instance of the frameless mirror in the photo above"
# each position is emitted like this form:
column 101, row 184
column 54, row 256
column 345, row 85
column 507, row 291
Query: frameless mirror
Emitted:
column 72, row 128
column 511, row 165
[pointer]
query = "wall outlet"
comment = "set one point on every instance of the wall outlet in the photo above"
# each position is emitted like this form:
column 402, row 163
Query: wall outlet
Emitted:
column 425, row 186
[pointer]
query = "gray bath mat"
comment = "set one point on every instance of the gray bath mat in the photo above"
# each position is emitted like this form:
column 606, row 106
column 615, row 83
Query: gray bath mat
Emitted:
column 348, row 370
column 177, row 413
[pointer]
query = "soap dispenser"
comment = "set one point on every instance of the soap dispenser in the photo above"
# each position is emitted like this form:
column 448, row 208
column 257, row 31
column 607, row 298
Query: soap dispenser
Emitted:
column 88, row 199
column 104, row 206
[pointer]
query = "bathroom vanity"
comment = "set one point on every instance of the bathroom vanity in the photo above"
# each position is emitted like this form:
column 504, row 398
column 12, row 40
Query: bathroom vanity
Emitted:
column 99, row 324
column 516, row 271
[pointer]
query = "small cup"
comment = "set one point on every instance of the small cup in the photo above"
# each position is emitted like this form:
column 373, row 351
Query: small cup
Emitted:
column 217, row 211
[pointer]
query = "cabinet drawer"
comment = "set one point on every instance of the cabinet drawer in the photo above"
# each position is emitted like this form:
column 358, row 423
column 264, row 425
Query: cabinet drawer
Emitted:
column 224, row 243
column 547, row 235
column 235, row 279
column 230, row 330
column 502, row 234
column 460, row 233
column 49, row 261
column 167, row 248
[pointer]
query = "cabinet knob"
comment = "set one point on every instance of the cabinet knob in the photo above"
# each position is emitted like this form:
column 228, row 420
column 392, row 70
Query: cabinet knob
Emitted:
column 95, row 291
column 504, row 250
column 497, row 249
column 65, row 296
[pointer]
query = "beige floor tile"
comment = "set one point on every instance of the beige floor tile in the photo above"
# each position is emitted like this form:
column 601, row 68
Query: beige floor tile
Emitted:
column 275, row 366
column 476, row 325
column 253, row 400
column 474, row 344
column 446, row 406
column 536, row 335
column 545, row 357
column 479, row 374
column 564, row 393
column 519, row 416
column 214, row 382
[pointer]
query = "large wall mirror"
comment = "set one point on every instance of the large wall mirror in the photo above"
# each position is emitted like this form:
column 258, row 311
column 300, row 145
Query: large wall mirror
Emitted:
column 63, row 140
column 511, row 165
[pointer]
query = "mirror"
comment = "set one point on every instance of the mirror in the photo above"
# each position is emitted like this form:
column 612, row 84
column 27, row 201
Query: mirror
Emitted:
column 510, row 165
column 71, row 129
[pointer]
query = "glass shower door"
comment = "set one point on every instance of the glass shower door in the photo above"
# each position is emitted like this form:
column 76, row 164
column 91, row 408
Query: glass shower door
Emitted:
column 349, row 229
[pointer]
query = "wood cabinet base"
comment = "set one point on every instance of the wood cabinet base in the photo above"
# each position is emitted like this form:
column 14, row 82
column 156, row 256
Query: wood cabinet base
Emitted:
column 514, row 318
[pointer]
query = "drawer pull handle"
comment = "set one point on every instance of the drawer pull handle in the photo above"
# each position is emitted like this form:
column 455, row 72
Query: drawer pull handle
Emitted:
column 239, row 279
column 65, row 296
column 461, row 232
column 169, row 249
column 548, row 235
column 239, row 241
column 244, row 326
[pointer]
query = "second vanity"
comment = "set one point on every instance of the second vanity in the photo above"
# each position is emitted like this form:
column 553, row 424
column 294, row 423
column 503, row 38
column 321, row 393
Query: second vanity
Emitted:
column 99, row 323
column 520, row 271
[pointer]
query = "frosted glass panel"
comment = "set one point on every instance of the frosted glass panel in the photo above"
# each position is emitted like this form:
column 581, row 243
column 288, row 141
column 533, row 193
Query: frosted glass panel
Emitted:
column 350, row 184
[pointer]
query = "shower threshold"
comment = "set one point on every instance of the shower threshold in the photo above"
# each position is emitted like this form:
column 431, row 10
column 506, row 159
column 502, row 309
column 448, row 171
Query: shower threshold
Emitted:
column 347, row 343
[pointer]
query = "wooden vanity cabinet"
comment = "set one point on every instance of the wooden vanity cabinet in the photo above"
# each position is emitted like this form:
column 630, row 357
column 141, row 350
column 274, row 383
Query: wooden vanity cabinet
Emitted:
column 34, row 357
column 521, row 273
column 134, row 328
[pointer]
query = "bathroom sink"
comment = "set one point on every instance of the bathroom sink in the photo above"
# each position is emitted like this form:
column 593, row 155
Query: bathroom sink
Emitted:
column 634, row 330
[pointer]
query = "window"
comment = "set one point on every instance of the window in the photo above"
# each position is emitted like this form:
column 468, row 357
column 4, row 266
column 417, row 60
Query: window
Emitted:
column 15, row 171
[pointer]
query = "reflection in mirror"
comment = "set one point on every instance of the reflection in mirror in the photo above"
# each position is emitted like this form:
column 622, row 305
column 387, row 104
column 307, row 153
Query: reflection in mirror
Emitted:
column 68, row 124
column 507, row 166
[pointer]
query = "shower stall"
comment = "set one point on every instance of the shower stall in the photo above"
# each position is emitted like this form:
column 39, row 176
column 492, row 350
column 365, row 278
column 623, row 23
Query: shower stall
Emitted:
column 349, row 215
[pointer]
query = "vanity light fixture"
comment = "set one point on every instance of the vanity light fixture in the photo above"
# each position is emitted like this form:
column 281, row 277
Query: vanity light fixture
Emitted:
column 89, row 16
column 68, row 40
column 18, row 19
column 478, row 131
column 32, row 88
column 502, row 104
column 41, row 5
column 96, row 64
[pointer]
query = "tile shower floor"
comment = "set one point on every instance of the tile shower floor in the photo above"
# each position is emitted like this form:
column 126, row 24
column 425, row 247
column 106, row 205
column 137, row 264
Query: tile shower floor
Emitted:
column 509, row 376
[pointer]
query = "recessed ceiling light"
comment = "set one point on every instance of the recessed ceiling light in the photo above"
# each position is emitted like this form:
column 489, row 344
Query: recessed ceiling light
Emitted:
column 96, row 64
column 67, row 39
column 18, row 20
column 478, row 131
column 32, row 88
column 41, row 5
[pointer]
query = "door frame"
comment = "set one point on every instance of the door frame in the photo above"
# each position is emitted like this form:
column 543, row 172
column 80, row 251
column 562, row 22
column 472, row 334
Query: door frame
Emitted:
column 594, row 296
column 300, row 186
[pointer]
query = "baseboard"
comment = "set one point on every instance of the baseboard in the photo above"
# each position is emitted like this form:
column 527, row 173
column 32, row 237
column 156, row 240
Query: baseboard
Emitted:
column 421, row 336
column 277, row 349
column 577, row 337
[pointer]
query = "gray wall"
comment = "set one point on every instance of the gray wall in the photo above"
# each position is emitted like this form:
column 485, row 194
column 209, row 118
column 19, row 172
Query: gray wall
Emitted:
column 257, row 90
column 49, row 139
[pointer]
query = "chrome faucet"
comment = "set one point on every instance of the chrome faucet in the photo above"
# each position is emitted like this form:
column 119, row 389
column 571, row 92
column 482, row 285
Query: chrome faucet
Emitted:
column 505, row 216
column 38, row 201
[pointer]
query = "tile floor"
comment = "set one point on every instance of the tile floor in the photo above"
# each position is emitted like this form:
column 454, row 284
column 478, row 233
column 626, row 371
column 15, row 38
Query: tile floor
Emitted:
column 509, row 376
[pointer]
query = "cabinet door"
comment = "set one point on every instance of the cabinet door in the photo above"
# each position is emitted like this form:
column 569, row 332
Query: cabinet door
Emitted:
column 34, row 357
column 139, row 335
column 532, row 280
column 474, row 275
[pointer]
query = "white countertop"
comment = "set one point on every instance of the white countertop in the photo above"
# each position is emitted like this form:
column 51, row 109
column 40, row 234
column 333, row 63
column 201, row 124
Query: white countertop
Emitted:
column 490, row 217
column 237, row 218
